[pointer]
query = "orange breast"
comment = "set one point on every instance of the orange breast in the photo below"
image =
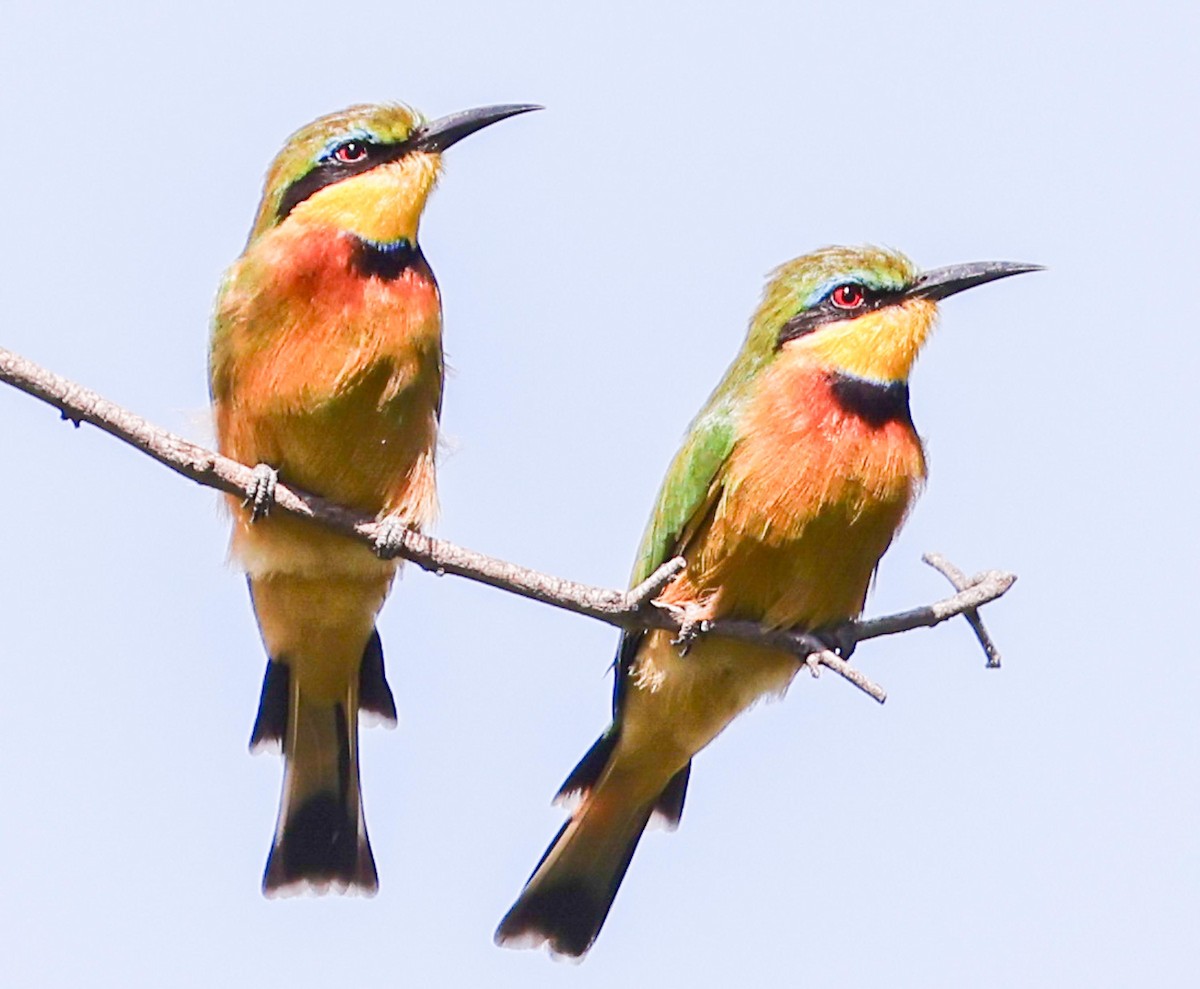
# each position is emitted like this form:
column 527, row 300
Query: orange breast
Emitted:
column 331, row 376
column 811, row 497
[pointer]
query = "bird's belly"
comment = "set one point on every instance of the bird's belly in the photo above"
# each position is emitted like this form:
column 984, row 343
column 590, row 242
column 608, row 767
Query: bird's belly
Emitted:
column 819, row 576
column 747, row 566
column 358, row 450
column 677, row 704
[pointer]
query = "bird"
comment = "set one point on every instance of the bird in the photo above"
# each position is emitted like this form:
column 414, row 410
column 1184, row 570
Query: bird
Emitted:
column 789, row 486
column 326, row 371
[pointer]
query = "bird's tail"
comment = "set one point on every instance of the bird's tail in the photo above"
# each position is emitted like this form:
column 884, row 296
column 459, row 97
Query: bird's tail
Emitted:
column 568, row 897
column 321, row 835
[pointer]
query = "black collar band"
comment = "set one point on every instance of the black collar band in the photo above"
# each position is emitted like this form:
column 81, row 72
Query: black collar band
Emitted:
column 875, row 402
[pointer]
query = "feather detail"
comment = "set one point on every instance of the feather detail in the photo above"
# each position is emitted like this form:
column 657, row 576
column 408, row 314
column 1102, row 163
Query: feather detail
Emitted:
column 333, row 378
column 810, row 497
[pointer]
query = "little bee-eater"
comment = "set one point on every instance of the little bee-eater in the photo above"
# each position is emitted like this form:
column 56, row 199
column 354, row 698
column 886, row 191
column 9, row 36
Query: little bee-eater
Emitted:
column 793, row 480
column 326, row 369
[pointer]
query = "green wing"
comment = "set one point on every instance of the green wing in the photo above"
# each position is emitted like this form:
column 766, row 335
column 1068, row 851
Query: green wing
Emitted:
column 691, row 482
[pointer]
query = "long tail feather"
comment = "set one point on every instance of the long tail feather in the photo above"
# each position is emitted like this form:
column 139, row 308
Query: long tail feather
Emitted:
column 568, row 897
column 321, row 836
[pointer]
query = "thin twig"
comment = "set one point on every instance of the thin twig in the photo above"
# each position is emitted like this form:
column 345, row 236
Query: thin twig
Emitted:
column 638, row 597
column 961, row 582
column 631, row 610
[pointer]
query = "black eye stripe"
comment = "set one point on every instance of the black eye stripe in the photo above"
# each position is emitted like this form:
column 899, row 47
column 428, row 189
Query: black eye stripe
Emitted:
column 330, row 170
column 827, row 311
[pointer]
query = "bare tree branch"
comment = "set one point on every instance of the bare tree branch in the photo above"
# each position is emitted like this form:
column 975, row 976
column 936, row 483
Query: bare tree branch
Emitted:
column 961, row 582
column 633, row 610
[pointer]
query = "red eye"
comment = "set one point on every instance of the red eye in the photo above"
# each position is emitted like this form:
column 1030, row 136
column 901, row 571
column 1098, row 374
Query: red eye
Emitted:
column 350, row 152
column 849, row 296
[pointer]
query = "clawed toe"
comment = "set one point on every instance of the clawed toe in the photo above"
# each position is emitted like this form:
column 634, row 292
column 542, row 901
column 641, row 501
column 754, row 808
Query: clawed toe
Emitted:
column 690, row 629
column 390, row 536
column 260, row 495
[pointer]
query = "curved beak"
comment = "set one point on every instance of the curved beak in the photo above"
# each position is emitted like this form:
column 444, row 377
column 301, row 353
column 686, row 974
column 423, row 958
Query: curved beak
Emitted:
column 940, row 283
column 438, row 135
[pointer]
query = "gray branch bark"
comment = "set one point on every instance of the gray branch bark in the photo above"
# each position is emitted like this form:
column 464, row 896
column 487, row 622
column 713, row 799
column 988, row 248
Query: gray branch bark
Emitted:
column 631, row 610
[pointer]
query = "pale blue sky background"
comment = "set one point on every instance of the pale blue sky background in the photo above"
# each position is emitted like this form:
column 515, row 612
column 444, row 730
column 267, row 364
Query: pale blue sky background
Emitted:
column 1035, row 826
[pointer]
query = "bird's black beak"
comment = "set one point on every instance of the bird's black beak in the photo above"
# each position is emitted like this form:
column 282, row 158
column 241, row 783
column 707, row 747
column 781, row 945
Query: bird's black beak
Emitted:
column 438, row 135
column 940, row 283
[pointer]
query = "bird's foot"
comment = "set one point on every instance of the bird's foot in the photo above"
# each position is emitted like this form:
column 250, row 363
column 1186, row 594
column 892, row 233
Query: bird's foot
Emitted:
column 839, row 639
column 391, row 533
column 260, row 495
column 692, row 625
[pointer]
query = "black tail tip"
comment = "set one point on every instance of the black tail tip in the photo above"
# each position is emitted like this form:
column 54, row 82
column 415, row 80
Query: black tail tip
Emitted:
column 374, row 695
column 565, row 918
column 321, row 848
column 270, row 725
